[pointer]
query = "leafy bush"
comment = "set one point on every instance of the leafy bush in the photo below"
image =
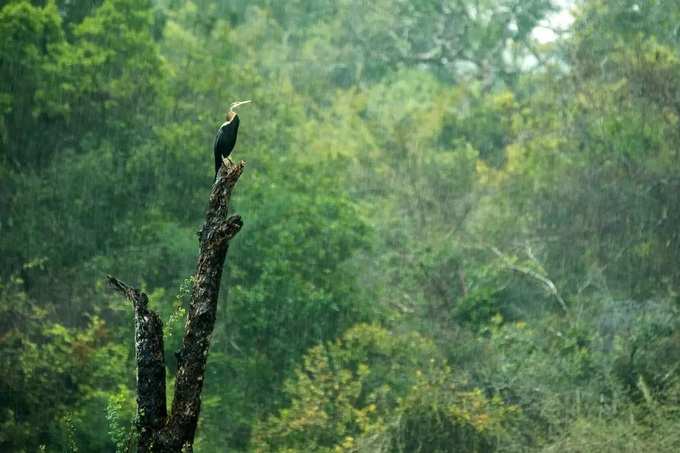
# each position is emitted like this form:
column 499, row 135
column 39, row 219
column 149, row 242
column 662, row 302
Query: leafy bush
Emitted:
column 375, row 390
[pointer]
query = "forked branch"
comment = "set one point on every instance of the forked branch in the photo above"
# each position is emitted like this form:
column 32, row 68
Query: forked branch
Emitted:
column 159, row 432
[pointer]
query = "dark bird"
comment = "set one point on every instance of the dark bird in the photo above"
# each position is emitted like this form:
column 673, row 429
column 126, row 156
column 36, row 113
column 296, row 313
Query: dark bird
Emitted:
column 226, row 136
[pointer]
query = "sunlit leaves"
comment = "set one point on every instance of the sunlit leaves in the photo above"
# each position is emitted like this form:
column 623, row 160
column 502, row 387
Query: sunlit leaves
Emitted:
column 373, row 390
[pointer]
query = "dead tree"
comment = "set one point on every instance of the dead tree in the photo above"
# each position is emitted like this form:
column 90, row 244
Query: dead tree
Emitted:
column 158, row 431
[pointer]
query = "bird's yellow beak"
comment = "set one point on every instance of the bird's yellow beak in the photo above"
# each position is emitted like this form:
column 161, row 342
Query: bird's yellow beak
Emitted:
column 239, row 103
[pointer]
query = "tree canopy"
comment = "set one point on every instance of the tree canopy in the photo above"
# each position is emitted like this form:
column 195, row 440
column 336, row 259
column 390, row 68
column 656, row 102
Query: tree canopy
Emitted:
column 458, row 237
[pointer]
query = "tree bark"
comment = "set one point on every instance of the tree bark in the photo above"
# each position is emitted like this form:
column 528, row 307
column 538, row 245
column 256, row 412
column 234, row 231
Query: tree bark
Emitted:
column 151, row 408
column 158, row 432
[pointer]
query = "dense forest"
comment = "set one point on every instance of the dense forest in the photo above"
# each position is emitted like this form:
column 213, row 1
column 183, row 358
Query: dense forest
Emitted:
column 457, row 236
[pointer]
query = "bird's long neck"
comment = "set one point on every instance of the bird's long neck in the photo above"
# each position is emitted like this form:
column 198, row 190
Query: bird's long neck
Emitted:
column 230, row 116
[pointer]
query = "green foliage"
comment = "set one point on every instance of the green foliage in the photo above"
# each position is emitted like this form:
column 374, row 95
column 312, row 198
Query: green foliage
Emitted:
column 70, row 433
column 33, row 42
column 372, row 390
column 52, row 375
column 121, row 434
column 290, row 289
column 504, row 207
column 632, row 430
column 437, row 415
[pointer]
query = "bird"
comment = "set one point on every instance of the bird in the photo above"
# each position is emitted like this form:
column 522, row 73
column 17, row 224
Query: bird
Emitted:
column 226, row 136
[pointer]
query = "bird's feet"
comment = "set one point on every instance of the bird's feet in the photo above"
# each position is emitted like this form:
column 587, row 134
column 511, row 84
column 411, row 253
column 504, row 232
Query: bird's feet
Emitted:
column 227, row 162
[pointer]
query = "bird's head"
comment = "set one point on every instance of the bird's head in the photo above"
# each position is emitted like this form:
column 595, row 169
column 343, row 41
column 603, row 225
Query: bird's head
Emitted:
column 231, row 113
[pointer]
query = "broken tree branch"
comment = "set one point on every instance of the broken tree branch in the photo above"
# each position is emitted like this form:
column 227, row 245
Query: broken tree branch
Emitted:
column 158, row 432
column 546, row 282
column 192, row 356
column 149, row 354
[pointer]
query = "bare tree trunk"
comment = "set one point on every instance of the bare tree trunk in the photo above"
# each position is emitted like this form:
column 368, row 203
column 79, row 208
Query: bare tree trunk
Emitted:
column 151, row 408
column 158, row 432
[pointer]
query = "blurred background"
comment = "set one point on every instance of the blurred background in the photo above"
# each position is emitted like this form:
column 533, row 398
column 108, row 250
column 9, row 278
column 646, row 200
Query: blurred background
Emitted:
column 461, row 221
